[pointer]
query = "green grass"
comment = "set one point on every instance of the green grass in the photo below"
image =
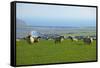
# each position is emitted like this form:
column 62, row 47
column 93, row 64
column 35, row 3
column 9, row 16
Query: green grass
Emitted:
column 46, row 51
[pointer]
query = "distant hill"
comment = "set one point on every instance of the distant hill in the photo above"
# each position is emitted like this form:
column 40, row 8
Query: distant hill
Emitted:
column 20, row 23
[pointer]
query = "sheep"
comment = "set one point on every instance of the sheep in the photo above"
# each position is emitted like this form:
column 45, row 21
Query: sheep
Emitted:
column 75, row 39
column 59, row 39
column 88, row 40
column 72, row 38
column 31, row 39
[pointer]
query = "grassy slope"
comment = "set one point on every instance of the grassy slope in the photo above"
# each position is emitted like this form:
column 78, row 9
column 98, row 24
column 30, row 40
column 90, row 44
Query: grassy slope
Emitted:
column 49, row 52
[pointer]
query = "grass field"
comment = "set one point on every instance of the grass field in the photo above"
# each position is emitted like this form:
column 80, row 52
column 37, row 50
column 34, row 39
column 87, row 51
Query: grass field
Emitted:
column 46, row 51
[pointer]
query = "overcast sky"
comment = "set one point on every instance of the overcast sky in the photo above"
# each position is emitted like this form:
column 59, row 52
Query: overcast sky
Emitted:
column 54, row 15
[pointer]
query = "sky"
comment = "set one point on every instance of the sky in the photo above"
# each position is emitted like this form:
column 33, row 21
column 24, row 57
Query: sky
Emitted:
column 55, row 15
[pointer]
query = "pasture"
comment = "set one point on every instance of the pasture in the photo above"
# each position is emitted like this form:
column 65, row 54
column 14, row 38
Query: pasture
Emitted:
column 46, row 51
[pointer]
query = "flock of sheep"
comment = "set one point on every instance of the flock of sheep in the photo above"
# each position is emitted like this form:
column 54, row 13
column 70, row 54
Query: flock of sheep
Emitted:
column 59, row 39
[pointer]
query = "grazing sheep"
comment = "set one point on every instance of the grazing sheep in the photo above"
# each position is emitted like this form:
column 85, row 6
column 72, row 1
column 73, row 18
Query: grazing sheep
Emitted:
column 59, row 39
column 36, row 39
column 88, row 40
column 75, row 39
column 31, row 39
column 72, row 38
column 94, row 37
